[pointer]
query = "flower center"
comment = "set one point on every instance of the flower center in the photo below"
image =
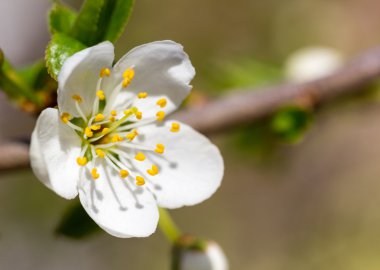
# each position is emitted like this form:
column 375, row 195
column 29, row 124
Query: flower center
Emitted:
column 110, row 136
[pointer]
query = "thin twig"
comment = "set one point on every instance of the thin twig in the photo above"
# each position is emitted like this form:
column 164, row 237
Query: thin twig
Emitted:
column 242, row 107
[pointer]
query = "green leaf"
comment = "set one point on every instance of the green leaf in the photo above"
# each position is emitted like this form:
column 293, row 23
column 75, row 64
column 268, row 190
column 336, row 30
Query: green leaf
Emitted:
column 115, row 18
column 59, row 49
column 61, row 18
column 85, row 28
column 101, row 20
column 76, row 223
column 290, row 123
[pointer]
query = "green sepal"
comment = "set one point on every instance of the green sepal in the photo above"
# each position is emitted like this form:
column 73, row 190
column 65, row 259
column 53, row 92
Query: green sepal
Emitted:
column 58, row 50
column 76, row 223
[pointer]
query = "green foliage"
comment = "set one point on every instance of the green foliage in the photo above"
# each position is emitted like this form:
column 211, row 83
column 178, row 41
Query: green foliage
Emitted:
column 59, row 49
column 98, row 20
column 76, row 223
column 101, row 20
column 86, row 25
column 290, row 123
column 61, row 19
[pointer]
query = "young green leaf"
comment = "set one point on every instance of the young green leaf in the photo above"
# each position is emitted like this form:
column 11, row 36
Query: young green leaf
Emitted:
column 58, row 50
column 61, row 18
column 114, row 19
column 85, row 28
column 76, row 223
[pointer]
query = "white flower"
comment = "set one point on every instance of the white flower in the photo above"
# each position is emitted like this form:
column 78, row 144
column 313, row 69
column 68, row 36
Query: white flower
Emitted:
column 312, row 63
column 212, row 258
column 107, row 141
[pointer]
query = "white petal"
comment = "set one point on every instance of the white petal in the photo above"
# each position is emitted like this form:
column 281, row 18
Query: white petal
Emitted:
column 162, row 69
column 79, row 76
column 190, row 170
column 117, row 205
column 53, row 152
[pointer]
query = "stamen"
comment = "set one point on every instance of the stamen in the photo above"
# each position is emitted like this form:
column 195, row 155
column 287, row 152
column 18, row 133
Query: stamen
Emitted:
column 100, row 95
column 124, row 173
column 140, row 181
column 130, row 136
column 128, row 76
column 88, row 132
column 77, row 98
column 104, row 72
column 105, row 131
column 162, row 102
column 96, row 127
column 65, row 117
column 116, row 138
column 94, row 173
column 153, row 171
column 138, row 115
column 140, row 156
column 142, row 95
column 175, row 127
column 99, row 117
column 159, row 148
column 100, row 153
column 82, row 161
column 160, row 115
column 114, row 113
column 112, row 119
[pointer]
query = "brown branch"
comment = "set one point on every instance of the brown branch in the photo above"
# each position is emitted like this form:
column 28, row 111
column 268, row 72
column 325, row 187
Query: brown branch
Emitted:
column 246, row 106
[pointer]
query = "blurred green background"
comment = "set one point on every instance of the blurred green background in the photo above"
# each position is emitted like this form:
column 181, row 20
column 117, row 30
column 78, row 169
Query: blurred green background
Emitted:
column 309, row 205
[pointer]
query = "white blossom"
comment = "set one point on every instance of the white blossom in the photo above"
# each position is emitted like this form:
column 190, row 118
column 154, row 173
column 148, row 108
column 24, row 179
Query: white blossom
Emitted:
column 107, row 140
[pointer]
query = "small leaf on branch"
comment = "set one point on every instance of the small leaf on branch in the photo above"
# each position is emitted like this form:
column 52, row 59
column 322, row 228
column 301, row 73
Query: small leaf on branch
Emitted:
column 61, row 18
column 76, row 223
column 59, row 49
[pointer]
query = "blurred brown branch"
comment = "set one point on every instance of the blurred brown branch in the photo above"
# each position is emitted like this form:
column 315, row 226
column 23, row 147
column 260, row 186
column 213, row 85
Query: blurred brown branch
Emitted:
column 242, row 107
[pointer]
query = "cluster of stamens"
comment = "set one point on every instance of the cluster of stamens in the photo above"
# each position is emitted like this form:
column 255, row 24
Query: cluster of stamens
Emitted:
column 107, row 136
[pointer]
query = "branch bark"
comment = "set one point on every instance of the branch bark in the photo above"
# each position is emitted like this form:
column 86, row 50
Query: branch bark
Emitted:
column 245, row 106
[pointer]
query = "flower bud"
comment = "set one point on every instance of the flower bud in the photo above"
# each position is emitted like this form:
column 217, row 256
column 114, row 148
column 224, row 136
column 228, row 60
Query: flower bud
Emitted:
column 205, row 255
column 312, row 63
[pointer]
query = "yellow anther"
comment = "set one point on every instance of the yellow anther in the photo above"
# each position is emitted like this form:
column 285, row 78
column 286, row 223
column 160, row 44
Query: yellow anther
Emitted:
column 140, row 156
column 175, row 127
column 131, row 136
column 138, row 115
column 114, row 113
column 65, row 117
column 153, row 171
column 100, row 94
column 105, row 130
column 96, row 127
column 162, row 102
column 104, row 72
column 128, row 76
column 82, row 161
column 160, row 148
column 142, row 95
column 129, row 73
column 128, row 112
column 100, row 153
column 88, row 132
column 112, row 119
column 140, row 181
column 124, row 173
column 94, row 173
column 160, row 115
column 116, row 138
column 77, row 98
column 99, row 117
